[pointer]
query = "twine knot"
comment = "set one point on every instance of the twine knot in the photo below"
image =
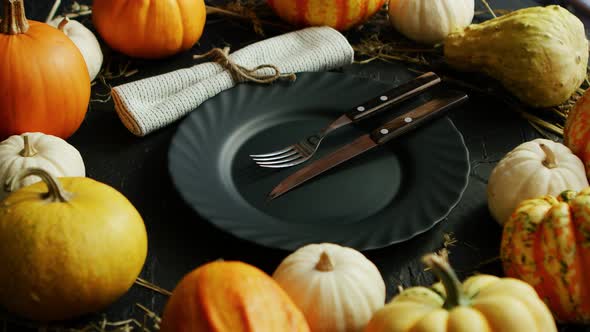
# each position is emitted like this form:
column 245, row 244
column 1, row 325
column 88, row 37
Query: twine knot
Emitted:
column 242, row 74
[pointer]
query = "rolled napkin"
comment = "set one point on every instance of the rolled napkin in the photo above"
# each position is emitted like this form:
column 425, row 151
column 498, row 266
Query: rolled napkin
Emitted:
column 152, row 103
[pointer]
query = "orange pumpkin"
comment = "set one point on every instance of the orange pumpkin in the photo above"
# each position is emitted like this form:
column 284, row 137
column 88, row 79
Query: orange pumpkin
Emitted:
column 545, row 243
column 230, row 296
column 149, row 29
column 45, row 86
column 338, row 14
column 577, row 130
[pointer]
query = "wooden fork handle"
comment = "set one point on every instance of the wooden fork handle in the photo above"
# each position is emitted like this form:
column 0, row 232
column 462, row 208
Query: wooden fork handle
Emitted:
column 393, row 97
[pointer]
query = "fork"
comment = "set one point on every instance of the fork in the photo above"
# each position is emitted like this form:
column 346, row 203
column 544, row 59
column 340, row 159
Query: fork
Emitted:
column 303, row 150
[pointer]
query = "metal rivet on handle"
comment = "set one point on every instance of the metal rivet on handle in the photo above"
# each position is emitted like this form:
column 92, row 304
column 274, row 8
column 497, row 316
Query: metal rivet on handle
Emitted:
column 408, row 120
column 384, row 131
column 383, row 98
column 360, row 108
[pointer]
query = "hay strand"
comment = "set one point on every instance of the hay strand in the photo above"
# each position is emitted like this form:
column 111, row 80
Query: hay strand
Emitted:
column 146, row 284
column 53, row 10
column 489, row 8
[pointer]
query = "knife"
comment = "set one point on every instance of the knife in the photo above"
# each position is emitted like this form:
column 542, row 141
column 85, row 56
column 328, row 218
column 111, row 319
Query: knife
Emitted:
column 392, row 129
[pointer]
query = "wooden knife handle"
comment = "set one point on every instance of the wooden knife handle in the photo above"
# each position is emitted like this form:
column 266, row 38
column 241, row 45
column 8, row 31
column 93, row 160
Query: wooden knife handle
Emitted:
column 418, row 116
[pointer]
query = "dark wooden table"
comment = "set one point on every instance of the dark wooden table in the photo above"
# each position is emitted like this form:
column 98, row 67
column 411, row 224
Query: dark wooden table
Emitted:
column 180, row 240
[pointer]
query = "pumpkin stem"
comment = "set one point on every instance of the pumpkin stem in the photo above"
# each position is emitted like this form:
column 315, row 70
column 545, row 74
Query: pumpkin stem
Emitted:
column 28, row 150
column 549, row 161
column 56, row 192
column 447, row 276
column 325, row 263
column 567, row 196
column 14, row 21
column 63, row 23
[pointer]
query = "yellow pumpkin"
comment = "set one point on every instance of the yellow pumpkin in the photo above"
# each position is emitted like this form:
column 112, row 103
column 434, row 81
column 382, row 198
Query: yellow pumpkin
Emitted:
column 230, row 296
column 482, row 303
column 68, row 247
column 338, row 14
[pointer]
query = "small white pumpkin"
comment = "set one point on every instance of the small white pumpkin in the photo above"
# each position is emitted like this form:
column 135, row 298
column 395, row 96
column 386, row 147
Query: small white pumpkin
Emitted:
column 85, row 40
column 533, row 169
column 37, row 150
column 430, row 21
column 337, row 288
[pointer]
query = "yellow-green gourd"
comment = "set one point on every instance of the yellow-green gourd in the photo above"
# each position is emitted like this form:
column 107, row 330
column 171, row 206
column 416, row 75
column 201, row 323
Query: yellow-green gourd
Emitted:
column 539, row 54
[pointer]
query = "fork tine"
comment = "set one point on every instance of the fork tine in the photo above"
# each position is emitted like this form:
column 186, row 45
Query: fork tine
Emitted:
column 288, row 164
column 280, row 161
column 280, row 156
column 271, row 154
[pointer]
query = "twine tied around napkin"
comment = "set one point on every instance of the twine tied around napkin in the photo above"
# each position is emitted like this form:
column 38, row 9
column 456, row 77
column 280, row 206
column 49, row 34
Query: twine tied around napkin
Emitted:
column 152, row 103
column 242, row 74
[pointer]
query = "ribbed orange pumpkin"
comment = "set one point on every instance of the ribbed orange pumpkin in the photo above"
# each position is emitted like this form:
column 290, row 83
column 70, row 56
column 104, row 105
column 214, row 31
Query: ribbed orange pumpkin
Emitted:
column 149, row 29
column 44, row 83
column 339, row 14
column 546, row 243
column 577, row 130
column 230, row 296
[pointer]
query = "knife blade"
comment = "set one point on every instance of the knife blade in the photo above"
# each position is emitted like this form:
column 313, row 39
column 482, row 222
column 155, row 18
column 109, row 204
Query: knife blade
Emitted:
column 383, row 134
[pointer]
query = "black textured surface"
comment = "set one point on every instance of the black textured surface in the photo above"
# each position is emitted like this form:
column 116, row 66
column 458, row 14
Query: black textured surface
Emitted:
column 180, row 240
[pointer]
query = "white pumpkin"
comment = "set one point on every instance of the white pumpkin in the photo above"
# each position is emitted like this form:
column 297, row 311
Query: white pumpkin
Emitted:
column 37, row 150
column 430, row 21
column 536, row 168
column 85, row 40
column 337, row 288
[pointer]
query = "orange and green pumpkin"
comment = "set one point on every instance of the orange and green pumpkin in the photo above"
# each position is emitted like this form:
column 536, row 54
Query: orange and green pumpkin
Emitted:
column 546, row 242
column 338, row 14
column 577, row 130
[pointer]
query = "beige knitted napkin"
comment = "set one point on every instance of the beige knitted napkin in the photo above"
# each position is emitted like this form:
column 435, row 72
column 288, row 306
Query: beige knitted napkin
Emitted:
column 152, row 103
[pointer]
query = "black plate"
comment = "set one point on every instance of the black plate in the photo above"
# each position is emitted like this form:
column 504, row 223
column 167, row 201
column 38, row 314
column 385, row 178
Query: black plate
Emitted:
column 385, row 196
